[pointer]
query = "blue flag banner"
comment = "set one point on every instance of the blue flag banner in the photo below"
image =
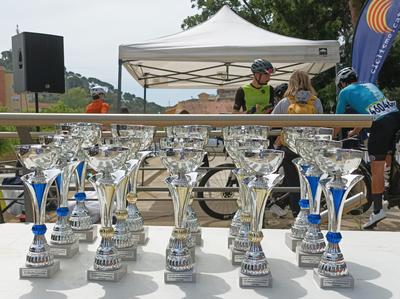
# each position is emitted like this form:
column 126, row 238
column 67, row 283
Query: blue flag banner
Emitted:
column 375, row 32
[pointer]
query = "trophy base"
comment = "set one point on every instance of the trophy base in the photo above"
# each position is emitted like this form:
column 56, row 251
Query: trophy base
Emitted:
column 179, row 277
column 237, row 256
column 89, row 235
column 307, row 260
column 192, row 251
column 141, row 237
column 44, row 272
column 231, row 239
column 263, row 281
column 197, row 237
column 113, row 276
column 64, row 251
column 128, row 254
column 291, row 242
column 324, row 282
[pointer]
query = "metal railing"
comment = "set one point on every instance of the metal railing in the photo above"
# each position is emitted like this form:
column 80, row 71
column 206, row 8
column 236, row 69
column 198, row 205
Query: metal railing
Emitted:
column 216, row 121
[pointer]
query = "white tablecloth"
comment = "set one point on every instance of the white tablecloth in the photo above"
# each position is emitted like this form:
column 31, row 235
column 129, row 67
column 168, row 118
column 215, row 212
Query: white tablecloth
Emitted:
column 373, row 259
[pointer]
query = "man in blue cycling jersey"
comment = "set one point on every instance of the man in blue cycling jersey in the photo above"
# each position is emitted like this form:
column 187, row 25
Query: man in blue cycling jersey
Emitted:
column 366, row 98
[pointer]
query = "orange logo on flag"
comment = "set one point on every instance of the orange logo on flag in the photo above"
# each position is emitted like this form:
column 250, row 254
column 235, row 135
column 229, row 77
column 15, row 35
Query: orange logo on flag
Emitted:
column 376, row 15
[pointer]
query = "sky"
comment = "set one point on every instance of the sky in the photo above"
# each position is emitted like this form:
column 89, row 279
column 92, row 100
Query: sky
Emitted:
column 93, row 30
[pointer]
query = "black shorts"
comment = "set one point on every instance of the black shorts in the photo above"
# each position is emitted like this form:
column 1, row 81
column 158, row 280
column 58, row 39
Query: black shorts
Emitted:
column 382, row 135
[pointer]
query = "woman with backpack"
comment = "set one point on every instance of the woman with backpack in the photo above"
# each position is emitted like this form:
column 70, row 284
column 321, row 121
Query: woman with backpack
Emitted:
column 299, row 98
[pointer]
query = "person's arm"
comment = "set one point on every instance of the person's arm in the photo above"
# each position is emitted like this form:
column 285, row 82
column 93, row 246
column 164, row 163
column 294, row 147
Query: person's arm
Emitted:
column 318, row 106
column 104, row 108
column 281, row 107
column 342, row 102
column 239, row 101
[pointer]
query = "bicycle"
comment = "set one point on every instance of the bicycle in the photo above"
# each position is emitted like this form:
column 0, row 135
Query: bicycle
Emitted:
column 222, row 205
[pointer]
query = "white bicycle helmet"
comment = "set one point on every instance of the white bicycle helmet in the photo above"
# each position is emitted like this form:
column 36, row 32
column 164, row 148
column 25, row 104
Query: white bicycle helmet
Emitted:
column 346, row 75
column 97, row 90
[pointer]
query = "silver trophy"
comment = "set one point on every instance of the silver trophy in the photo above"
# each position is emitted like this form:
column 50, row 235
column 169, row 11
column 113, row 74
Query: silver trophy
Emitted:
column 332, row 270
column 241, row 243
column 123, row 239
column 191, row 221
column 106, row 160
column 146, row 135
column 182, row 164
column 309, row 251
column 232, row 134
column 255, row 271
column 80, row 219
column 63, row 241
column 200, row 133
column 300, row 225
column 41, row 159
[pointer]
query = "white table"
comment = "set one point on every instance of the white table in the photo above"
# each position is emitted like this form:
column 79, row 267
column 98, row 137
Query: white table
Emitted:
column 373, row 259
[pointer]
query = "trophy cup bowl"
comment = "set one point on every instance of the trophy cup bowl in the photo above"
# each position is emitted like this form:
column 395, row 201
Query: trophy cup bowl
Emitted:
column 339, row 163
column 145, row 133
column 37, row 157
column 337, row 160
column 261, row 161
column 41, row 159
column 189, row 131
column 290, row 135
column 90, row 132
column 181, row 161
column 182, row 142
column 106, row 159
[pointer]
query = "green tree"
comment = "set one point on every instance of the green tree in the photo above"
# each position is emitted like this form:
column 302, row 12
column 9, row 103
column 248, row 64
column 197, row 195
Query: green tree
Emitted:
column 6, row 60
column 75, row 98
column 307, row 19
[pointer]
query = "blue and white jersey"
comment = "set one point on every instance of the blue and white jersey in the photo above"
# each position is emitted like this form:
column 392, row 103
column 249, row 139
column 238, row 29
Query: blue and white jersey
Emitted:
column 365, row 98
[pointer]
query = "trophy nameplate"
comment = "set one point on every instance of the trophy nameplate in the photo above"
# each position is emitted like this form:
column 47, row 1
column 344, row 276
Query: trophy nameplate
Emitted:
column 324, row 282
column 89, row 235
column 307, row 260
column 128, row 254
column 179, row 277
column 262, row 281
column 141, row 237
column 113, row 276
column 43, row 272
column 291, row 242
column 64, row 250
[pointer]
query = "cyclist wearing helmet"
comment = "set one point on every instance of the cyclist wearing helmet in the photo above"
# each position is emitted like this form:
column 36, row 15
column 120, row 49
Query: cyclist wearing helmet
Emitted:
column 257, row 96
column 366, row 98
column 98, row 105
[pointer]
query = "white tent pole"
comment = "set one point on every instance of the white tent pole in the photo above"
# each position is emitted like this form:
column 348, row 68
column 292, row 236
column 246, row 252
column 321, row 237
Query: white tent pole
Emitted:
column 119, row 85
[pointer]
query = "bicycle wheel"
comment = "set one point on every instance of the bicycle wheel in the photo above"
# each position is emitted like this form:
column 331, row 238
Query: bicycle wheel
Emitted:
column 224, row 208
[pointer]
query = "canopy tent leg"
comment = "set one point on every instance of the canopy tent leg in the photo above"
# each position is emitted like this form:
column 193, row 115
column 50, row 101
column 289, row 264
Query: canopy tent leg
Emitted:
column 119, row 85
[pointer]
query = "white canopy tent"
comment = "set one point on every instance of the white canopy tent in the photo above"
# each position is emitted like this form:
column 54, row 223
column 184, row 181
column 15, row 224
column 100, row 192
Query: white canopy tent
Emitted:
column 218, row 53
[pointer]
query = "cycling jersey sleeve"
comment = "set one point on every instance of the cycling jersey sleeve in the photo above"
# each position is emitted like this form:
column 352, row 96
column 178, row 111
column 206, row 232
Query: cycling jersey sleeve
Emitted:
column 239, row 100
column 342, row 102
column 104, row 108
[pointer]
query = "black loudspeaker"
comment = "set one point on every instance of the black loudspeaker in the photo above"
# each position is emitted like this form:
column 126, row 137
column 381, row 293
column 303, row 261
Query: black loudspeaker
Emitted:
column 38, row 62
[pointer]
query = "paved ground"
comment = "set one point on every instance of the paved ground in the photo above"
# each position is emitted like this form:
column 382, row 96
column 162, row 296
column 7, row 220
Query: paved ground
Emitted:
column 161, row 212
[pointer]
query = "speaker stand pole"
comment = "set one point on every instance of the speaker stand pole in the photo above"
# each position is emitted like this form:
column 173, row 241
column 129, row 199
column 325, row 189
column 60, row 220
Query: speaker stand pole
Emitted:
column 37, row 107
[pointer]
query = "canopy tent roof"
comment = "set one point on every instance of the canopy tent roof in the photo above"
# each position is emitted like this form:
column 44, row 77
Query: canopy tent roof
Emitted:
column 219, row 52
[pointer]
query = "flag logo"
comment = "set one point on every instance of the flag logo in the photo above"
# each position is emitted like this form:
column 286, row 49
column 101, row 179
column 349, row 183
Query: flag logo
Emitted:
column 376, row 15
